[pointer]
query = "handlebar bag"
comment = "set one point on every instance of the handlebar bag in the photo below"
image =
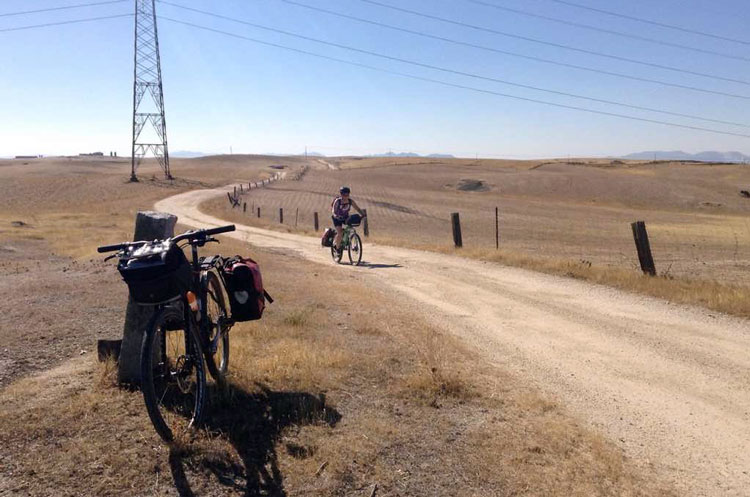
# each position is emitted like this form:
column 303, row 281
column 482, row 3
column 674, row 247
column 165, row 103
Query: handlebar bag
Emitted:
column 327, row 238
column 354, row 220
column 156, row 272
column 247, row 298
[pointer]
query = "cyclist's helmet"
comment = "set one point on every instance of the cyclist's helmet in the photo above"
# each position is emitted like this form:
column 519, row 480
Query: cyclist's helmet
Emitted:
column 345, row 190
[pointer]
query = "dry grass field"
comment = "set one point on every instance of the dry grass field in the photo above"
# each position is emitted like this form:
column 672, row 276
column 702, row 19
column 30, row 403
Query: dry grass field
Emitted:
column 330, row 394
column 565, row 217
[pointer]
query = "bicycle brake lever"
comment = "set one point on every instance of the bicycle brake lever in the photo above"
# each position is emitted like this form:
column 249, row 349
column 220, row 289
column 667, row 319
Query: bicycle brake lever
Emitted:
column 110, row 257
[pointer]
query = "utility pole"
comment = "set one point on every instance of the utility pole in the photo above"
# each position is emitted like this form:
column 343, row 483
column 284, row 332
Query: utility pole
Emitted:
column 147, row 81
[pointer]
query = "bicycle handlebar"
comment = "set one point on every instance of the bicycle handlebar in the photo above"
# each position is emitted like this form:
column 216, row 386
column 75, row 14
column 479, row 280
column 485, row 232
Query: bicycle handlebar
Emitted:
column 188, row 235
column 118, row 246
column 221, row 229
column 203, row 233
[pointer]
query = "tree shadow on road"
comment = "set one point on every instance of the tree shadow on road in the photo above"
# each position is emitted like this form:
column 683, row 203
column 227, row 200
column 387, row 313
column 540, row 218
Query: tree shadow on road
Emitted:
column 252, row 423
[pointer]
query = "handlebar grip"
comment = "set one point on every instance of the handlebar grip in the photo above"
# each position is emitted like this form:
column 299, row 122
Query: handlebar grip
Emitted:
column 220, row 229
column 111, row 248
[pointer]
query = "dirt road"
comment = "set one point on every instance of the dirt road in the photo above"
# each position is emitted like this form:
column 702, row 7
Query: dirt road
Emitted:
column 670, row 384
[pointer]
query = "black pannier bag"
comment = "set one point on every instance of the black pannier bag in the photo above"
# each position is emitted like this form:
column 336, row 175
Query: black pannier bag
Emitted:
column 156, row 272
column 354, row 220
column 327, row 239
column 247, row 298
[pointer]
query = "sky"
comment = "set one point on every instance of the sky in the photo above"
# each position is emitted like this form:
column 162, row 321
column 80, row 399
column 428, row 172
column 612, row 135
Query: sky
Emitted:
column 68, row 89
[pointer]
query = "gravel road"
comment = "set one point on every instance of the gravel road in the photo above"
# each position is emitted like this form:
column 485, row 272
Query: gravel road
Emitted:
column 670, row 384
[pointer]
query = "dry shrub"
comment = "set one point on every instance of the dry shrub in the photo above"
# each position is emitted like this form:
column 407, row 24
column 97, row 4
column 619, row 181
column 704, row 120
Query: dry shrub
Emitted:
column 107, row 373
column 430, row 382
column 297, row 318
column 722, row 297
column 293, row 361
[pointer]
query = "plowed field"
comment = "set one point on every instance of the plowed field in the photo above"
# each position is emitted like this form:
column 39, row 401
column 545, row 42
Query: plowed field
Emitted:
column 576, row 211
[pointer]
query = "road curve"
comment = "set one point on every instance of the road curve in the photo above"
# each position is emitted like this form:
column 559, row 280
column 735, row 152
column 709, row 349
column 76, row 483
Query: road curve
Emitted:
column 670, row 384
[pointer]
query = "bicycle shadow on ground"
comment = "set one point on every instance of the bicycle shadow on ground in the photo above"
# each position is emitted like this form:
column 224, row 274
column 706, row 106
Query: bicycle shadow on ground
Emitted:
column 371, row 265
column 253, row 424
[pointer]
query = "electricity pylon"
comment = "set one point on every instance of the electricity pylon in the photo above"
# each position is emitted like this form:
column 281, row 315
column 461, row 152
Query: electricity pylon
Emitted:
column 147, row 81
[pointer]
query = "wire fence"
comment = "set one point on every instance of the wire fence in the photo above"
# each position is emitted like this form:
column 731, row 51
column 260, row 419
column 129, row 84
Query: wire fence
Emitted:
column 684, row 244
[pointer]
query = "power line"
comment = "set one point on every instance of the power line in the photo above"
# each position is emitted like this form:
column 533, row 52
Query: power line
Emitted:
column 648, row 21
column 450, row 71
column 65, row 7
column 73, row 21
column 602, row 30
column 525, row 38
column 515, row 54
column 453, row 85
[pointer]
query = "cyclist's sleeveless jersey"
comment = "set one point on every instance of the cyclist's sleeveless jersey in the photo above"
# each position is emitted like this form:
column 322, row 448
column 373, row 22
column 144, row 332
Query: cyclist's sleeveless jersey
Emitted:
column 340, row 210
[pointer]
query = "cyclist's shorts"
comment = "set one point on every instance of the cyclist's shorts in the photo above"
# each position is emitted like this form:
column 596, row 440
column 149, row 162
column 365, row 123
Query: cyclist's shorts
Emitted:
column 337, row 221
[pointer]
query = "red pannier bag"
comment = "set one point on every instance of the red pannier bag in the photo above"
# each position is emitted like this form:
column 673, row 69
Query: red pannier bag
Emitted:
column 247, row 298
column 327, row 239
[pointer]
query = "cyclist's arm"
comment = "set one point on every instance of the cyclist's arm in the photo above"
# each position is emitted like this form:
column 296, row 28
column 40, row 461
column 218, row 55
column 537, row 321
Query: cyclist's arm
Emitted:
column 333, row 208
column 354, row 204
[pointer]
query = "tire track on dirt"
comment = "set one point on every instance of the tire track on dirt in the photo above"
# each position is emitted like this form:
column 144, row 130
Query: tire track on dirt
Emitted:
column 669, row 384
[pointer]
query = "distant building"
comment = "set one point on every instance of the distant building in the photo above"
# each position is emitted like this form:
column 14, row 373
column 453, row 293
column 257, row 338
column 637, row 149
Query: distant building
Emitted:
column 27, row 156
column 93, row 154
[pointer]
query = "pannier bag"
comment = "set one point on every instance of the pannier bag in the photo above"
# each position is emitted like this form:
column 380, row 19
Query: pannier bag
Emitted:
column 354, row 220
column 328, row 235
column 247, row 298
column 156, row 272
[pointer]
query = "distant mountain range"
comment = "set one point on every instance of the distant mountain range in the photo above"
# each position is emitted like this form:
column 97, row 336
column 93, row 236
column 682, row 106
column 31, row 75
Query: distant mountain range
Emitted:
column 412, row 154
column 187, row 154
column 709, row 156
column 394, row 154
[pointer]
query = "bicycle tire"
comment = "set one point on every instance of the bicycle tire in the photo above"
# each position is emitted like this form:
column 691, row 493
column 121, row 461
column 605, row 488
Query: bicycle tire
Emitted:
column 355, row 245
column 336, row 256
column 168, row 332
column 216, row 312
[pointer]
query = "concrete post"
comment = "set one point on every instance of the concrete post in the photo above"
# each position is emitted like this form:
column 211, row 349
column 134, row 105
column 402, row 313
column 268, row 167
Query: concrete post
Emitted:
column 149, row 225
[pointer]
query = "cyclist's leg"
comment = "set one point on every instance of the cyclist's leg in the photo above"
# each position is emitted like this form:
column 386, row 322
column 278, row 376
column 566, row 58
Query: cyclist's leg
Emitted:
column 339, row 233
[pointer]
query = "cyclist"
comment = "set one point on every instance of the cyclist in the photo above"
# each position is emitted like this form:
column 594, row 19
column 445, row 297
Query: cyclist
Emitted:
column 340, row 213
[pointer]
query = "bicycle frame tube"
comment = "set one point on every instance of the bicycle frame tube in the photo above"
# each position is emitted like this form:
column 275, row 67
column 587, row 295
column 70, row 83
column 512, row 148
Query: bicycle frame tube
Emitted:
column 204, row 324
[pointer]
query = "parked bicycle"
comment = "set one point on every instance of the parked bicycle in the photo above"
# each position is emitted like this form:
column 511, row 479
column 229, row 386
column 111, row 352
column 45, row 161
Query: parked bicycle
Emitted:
column 191, row 319
column 351, row 242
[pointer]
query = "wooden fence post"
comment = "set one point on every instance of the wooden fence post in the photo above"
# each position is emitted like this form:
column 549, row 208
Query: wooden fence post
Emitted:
column 367, row 224
column 148, row 226
column 258, row 212
column 244, row 206
column 497, row 228
column 296, row 217
column 281, row 215
column 456, row 223
column 241, row 188
column 229, row 196
column 315, row 221
column 640, row 236
column 235, row 191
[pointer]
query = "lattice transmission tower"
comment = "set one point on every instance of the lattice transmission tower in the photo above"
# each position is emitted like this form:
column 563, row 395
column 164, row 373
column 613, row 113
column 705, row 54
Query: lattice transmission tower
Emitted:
column 149, row 125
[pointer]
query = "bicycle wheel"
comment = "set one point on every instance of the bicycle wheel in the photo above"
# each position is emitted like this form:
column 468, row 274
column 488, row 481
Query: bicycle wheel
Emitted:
column 355, row 249
column 172, row 375
column 337, row 255
column 216, row 348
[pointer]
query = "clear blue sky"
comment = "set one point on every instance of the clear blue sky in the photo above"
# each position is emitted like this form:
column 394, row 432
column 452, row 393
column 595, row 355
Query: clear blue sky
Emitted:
column 68, row 89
